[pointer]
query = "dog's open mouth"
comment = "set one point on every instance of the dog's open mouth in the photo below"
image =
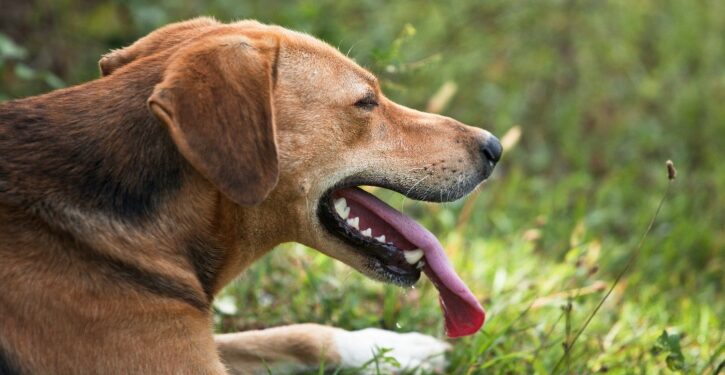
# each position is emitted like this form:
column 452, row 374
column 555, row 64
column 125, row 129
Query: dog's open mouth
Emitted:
column 398, row 248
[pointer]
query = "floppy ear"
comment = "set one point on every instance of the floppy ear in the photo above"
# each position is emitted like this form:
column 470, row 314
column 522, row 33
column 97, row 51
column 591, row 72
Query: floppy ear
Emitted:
column 169, row 36
column 216, row 100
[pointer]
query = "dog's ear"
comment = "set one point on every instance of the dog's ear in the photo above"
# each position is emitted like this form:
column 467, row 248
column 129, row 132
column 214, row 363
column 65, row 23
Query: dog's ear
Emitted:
column 216, row 100
column 169, row 36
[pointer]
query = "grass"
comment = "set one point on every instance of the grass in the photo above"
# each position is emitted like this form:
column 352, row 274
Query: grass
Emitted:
column 601, row 93
column 537, row 308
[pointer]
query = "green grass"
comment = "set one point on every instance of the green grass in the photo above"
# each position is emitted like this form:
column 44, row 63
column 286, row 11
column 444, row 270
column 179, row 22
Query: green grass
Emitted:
column 526, row 297
column 603, row 93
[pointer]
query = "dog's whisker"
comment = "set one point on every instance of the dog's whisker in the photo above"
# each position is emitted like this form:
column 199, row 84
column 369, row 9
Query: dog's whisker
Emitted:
column 402, row 204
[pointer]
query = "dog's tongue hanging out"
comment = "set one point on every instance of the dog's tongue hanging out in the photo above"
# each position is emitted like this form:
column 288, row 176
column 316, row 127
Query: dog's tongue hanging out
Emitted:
column 463, row 314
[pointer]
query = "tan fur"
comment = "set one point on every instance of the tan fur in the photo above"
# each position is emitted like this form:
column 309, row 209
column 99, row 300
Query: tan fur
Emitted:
column 253, row 123
column 304, row 345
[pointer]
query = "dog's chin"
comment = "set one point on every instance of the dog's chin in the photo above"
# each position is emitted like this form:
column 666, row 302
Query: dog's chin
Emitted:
column 369, row 265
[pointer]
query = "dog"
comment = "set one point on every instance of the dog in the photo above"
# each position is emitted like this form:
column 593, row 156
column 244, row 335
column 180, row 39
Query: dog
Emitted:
column 128, row 202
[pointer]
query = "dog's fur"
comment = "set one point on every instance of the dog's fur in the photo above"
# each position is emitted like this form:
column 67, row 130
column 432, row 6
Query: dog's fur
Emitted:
column 127, row 202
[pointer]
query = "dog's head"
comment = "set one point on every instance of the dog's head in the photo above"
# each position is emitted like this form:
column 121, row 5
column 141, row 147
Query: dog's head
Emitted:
column 281, row 121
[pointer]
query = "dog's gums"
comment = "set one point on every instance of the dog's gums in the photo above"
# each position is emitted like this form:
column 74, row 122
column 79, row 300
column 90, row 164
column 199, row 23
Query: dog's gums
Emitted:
column 386, row 254
column 413, row 257
column 402, row 247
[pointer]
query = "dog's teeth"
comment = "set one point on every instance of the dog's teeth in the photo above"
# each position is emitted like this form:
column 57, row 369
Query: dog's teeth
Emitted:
column 341, row 208
column 420, row 264
column 381, row 238
column 413, row 256
column 340, row 203
column 354, row 222
column 367, row 232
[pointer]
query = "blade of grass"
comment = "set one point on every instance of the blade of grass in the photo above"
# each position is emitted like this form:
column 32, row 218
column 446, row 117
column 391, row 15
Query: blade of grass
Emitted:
column 671, row 174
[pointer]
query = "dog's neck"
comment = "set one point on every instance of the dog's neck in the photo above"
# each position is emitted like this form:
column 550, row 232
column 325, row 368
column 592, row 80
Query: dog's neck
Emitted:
column 95, row 147
column 93, row 164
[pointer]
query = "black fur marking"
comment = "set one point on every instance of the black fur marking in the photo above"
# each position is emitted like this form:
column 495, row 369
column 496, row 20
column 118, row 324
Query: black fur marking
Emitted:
column 156, row 283
column 3, row 182
column 122, row 164
column 6, row 366
column 207, row 259
column 149, row 281
column 132, row 190
column 120, row 271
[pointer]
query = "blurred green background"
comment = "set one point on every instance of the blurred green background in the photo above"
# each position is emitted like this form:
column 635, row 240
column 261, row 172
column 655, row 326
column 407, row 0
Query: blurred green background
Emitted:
column 601, row 93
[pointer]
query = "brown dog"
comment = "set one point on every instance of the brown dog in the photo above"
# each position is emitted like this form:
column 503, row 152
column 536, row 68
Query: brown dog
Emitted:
column 127, row 202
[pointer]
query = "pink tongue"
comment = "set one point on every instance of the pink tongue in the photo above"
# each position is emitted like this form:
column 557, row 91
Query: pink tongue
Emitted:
column 464, row 315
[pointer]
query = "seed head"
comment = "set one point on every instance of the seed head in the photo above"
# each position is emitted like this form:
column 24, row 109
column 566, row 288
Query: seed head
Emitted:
column 671, row 171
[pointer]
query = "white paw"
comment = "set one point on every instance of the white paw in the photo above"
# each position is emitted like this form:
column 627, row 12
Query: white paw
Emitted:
column 413, row 351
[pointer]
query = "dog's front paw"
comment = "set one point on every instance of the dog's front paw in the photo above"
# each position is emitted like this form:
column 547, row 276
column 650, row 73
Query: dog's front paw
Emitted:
column 370, row 351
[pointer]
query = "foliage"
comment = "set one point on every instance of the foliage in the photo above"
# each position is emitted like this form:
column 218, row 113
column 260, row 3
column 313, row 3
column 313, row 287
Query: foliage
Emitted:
column 670, row 345
column 602, row 93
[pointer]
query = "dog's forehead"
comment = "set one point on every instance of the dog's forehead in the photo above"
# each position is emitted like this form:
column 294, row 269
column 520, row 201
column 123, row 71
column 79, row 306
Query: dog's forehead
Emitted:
column 310, row 65
column 317, row 55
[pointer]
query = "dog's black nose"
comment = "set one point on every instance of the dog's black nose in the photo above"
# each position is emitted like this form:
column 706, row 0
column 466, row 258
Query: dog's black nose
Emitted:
column 491, row 148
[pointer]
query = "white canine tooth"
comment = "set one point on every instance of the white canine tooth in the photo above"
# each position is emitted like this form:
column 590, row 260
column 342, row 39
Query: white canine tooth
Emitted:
column 340, row 203
column 367, row 232
column 354, row 222
column 381, row 238
column 413, row 256
column 420, row 264
column 341, row 208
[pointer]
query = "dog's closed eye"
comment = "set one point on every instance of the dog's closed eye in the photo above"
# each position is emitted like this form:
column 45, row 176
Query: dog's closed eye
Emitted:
column 368, row 102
